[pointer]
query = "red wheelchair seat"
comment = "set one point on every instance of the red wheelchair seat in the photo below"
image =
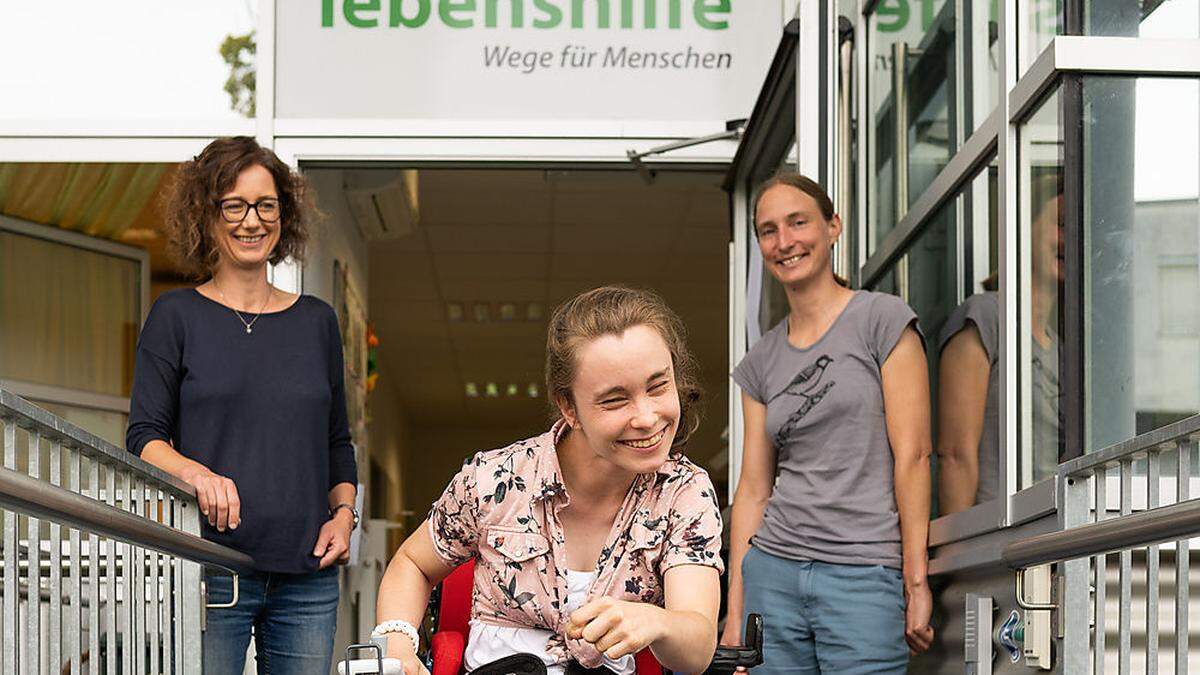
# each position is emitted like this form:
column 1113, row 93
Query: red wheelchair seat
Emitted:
column 454, row 626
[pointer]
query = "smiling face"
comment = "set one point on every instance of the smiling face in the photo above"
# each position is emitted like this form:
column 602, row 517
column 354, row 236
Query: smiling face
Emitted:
column 626, row 405
column 795, row 238
column 247, row 244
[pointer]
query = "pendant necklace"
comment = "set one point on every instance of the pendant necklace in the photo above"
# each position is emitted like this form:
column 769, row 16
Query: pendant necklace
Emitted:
column 248, row 324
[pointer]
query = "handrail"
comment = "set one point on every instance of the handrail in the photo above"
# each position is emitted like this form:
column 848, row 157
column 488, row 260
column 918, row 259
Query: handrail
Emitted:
column 29, row 416
column 23, row 493
column 1184, row 428
column 1155, row 526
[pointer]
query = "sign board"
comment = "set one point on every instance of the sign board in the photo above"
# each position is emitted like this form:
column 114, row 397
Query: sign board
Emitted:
column 646, row 60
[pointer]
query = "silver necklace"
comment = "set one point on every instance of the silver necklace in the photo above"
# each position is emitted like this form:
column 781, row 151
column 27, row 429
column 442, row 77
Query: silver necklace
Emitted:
column 248, row 324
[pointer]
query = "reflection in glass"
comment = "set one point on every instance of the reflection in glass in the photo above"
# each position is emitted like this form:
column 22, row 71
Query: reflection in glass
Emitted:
column 1141, row 259
column 907, row 162
column 981, row 67
column 1041, row 188
column 1173, row 19
column 968, row 374
column 1044, row 20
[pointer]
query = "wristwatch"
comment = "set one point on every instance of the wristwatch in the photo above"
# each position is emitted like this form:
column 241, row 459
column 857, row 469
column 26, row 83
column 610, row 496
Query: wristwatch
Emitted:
column 353, row 511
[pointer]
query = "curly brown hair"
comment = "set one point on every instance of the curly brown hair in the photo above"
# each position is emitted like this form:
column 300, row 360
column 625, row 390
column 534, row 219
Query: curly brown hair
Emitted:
column 611, row 310
column 191, row 203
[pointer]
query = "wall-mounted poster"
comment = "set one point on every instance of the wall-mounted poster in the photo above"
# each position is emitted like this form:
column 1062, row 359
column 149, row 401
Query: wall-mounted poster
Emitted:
column 352, row 322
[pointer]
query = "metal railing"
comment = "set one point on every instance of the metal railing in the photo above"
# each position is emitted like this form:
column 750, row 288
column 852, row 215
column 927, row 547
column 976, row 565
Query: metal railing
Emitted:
column 1120, row 502
column 102, row 561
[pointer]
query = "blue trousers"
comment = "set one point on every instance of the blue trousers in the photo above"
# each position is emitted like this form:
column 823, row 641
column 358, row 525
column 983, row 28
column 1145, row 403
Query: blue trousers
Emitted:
column 292, row 616
column 826, row 618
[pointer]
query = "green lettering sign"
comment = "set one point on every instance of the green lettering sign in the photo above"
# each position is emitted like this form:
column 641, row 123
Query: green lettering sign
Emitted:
column 448, row 8
column 897, row 9
column 546, row 14
column 517, row 10
column 703, row 8
column 553, row 15
column 352, row 8
column 396, row 15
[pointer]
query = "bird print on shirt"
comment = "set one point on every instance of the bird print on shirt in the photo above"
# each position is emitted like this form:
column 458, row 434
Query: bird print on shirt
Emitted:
column 808, row 387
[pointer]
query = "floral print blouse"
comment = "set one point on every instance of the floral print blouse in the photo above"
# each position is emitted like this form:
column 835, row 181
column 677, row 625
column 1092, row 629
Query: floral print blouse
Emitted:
column 502, row 509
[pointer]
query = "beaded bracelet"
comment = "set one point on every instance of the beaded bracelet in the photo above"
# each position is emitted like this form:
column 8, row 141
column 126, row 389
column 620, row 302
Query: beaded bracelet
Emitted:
column 398, row 626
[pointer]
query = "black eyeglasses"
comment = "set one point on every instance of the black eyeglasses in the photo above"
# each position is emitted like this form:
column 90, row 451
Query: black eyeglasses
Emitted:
column 236, row 209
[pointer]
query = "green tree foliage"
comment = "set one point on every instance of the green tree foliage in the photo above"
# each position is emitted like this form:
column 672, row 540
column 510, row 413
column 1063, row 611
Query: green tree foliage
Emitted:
column 238, row 52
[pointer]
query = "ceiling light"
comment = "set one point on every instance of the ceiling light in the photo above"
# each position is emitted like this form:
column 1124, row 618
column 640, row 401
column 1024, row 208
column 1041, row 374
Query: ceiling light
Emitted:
column 492, row 390
column 532, row 390
column 454, row 311
column 481, row 312
column 472, row 390
column 512, row 390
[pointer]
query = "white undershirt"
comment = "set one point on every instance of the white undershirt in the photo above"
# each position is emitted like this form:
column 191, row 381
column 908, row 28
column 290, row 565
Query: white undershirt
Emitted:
column 489, row 642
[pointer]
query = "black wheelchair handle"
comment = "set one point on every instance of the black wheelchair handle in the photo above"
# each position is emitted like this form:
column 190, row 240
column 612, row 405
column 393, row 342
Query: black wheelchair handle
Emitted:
column 749, row 654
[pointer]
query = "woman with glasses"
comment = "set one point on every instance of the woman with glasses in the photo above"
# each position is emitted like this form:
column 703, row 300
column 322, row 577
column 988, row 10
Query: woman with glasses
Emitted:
column 238, row 392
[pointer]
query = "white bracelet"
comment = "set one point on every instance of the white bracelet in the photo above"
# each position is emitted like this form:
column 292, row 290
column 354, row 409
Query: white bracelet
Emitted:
column 398, row 626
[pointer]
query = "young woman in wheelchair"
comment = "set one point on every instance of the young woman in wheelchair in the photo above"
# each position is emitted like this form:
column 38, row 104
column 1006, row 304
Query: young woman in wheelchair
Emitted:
column 595, row 539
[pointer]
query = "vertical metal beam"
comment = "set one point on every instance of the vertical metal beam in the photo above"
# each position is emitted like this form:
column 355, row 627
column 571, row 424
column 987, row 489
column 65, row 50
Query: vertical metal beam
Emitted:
column 154, row 616
column 192, row 619
column 1011, row 441
column 139, row 584
column 75, row 615
column 111, row 613
column 94, row 597
column 1099, row 481
column 1153, row 477
column 900, row 126
column 11, row 560
column 55, row 633
column 1183, row 477
column 1076, row 582
column 1125, row 577
column 33, row 576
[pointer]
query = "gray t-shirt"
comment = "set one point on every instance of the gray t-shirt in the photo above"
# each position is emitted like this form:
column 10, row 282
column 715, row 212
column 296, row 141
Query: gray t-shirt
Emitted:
column 833, row 499
column 1046, row 393
column 983, row 310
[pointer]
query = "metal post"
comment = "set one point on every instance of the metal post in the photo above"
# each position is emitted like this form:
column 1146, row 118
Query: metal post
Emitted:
column 1075, row 580
column 11, row 560
column 1183, row 477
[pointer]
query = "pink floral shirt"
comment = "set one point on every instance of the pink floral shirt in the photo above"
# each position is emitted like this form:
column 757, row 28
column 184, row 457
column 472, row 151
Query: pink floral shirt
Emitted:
column 502, row 508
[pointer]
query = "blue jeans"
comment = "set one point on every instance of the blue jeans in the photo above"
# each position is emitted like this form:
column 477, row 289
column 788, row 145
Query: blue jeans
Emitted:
column 293, row 618
column 826, row 618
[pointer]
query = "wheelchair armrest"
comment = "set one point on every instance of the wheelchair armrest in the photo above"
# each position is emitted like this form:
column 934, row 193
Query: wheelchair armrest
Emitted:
column 446, row 651
column 747, row 655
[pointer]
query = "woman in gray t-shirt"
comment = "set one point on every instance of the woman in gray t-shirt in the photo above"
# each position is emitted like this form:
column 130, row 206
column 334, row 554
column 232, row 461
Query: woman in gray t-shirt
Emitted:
column 831, row 515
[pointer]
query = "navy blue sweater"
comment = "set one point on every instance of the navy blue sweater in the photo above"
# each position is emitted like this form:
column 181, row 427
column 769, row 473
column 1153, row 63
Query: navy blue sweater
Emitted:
column 266, row 409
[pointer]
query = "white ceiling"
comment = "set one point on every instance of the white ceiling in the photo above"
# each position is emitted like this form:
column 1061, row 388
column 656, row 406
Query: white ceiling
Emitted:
column 539, row 236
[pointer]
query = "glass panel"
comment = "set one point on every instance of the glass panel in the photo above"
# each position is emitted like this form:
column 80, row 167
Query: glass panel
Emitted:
column 1178, row 19
column 925, row 33
column 140, row 59
column 1041, row 171
column 968, row 366
column 981, row 90
column 926, row 278
column 1141, row 249
column 68, row 317
column 106, row 424
column 1174, row 19
column 1043, row 20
